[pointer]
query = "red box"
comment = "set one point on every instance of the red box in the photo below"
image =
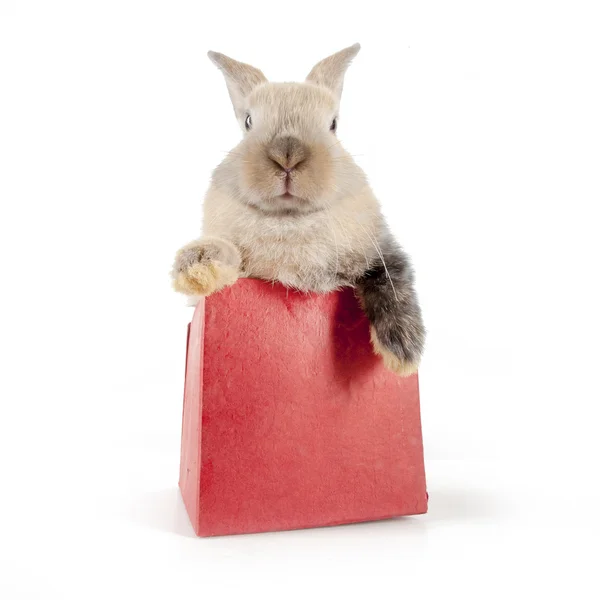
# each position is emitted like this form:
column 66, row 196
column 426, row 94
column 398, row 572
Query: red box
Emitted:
column 290, row 420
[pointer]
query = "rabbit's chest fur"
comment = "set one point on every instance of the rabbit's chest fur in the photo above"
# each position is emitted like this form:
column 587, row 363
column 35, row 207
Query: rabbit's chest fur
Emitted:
column 297, row 256
column 318, row 252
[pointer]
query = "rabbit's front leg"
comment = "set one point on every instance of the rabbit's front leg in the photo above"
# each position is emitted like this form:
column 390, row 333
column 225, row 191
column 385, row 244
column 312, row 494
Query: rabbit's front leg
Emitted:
column 390, row 302
column 205, row 266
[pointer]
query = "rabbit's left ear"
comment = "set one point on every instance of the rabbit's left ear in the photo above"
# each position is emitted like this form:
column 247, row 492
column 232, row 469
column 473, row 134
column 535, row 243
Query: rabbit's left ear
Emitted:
column 240, row 78
column 331, row 70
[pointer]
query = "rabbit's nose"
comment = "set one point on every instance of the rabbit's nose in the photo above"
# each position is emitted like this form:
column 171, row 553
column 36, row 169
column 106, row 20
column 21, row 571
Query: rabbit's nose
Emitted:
column 287, row 152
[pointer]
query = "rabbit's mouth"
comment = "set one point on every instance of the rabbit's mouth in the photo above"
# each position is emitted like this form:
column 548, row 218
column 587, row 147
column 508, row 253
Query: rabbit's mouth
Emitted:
column 291, row 199
column 285, row 204
column 288, row 202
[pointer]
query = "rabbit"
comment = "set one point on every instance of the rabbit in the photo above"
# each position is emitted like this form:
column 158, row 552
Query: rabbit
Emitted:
column 289, row 204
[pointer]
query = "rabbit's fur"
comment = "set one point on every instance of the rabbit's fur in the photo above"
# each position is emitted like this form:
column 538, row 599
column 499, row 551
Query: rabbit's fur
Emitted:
column 289, row 204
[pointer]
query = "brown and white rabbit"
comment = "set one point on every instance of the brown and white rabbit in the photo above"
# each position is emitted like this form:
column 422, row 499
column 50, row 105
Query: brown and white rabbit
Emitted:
column 289, row 204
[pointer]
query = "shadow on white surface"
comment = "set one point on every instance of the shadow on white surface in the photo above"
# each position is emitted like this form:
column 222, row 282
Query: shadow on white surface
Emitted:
column 161, row 510
column 447, row 505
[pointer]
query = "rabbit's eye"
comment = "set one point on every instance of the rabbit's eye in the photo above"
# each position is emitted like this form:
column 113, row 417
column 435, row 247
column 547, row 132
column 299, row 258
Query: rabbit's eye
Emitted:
column 248, row 123
column 333, row 126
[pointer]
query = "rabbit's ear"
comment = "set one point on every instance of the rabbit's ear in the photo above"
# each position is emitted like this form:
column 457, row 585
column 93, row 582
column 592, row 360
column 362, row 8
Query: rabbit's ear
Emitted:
column 330, row 71
column 241, row 79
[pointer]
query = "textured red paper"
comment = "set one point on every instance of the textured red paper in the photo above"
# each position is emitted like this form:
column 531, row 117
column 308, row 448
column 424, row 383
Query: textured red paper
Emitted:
column 290, row 420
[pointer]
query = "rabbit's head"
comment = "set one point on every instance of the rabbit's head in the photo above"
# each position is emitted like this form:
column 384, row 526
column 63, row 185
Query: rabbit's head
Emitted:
column 290, row 159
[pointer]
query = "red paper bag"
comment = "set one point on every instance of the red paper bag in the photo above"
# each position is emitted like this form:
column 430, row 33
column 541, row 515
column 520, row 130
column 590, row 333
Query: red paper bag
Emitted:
column 290, row 420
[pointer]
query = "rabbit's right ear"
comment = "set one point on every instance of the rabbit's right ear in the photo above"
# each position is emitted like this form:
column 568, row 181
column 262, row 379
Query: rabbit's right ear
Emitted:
column 240, row 78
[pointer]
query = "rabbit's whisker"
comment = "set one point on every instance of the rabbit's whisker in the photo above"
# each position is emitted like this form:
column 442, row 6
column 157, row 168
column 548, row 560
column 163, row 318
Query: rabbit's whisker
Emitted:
column 378, row 249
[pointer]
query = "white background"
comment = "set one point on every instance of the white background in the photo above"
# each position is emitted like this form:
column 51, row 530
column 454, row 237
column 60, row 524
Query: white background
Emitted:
column 478, row 124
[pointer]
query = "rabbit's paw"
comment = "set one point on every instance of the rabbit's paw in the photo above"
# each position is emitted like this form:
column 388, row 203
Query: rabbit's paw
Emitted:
column 205, row 266
column 395, row 356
